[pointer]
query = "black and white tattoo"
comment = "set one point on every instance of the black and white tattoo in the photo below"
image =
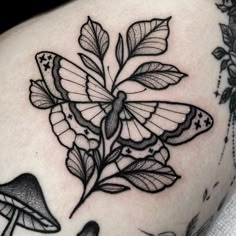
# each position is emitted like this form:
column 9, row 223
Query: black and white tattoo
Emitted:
column 90, row 229
column 227, row 56
column 23, row 204
column 194, row 228
column 101, row 119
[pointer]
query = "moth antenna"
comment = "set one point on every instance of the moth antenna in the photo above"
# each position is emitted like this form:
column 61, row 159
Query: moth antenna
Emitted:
column 138, row 91
column 108, row 69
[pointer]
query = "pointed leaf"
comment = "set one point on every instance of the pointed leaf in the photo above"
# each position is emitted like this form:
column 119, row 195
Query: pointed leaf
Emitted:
column 222, row 7
column 224, row 65
column 113, row 188
column 97, row 158
column 232, row 81
column 233, row 103
column 192, row 225
column 219, row 53
column 148, row 37
column 232, row 11
column 227, row 35
column 156, row 75
column 89, row 63
column 149, row 175
column 205, row 195
column 232, row 71
column 114, row 155
column 94, row 38
column 80, row 164
column 120, row 50
column 226, row 95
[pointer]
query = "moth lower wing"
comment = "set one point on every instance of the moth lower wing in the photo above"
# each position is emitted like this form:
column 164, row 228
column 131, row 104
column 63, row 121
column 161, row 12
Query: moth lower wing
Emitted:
column 69, row 82
column 173, row 123
column 40, row 97
column 68, row 131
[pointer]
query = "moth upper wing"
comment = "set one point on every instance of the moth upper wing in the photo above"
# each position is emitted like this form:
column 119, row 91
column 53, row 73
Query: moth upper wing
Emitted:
column 173, row 123
column 69, row 82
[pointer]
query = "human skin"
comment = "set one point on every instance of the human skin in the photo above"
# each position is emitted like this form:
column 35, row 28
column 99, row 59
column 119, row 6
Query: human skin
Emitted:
column 27, row 144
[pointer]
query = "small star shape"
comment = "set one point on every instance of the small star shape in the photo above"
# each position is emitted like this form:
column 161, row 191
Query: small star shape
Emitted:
column 198, row 125
column 200, row 115
column 49, row 57
column 217, row 94
column 70, row 117
column 128, row 151
column 151, row 150
column 207, row 122
column 46, row 66
column 86, row 132
column 42, row 58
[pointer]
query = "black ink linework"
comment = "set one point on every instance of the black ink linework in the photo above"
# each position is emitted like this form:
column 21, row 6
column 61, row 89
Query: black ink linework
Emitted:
column 90, row 229
column 192, row 228
column 23, row 204
column 227, row 56
column 100, row 124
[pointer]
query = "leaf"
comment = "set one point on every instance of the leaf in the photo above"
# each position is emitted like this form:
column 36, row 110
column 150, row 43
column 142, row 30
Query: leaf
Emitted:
column 232, row 81
column 216, row 184
column 232, row 71
column 120, row 51
column 162, row 155
column 149, row 175
column 156, row 75
column 80, row 164
column 113, row 188
column 222, row 203
column 226, row 95
column 233, row 57
column 93, row 38
column 232, row 11
column 97, row 158
column 219, row 53
column 205, row 195
column 222, row 7
column 114, row 155
column 227, row 35
column 224, row 65
column 148, row 37
column 233, row 102
column 40, row 96
column 89, row 63
column 192, row 225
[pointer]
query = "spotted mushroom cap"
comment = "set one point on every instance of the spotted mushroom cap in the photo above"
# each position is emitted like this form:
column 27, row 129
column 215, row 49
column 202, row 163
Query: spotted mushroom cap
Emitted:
column 25, row 194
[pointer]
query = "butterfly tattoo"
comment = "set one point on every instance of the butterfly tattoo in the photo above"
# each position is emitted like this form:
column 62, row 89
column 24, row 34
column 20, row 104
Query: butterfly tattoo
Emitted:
column 104, row 123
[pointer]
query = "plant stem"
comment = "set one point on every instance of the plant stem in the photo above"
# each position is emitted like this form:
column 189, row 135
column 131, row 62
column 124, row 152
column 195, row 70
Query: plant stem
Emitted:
column 118, row 73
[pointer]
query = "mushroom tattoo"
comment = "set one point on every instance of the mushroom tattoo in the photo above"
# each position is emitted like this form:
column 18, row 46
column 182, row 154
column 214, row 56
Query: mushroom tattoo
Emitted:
column 22, row 203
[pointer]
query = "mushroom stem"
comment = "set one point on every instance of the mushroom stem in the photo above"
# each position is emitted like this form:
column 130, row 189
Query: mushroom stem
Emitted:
column 11, row 224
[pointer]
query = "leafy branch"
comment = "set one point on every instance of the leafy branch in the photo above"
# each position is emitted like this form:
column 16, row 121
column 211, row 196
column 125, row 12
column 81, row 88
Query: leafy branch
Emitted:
column 150, row 174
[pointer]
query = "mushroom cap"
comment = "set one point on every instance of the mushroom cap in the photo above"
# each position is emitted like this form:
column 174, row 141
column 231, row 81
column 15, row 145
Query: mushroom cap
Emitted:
column 25, row 194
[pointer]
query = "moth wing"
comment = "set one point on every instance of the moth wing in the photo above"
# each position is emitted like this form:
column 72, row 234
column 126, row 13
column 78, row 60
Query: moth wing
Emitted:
column 69, row 82
column 173, row 123
column 40, row 96
column 68, row 131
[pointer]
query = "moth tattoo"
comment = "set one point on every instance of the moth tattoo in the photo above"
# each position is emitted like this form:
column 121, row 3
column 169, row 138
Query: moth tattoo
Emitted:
column 102, row 119
column 227, row 57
